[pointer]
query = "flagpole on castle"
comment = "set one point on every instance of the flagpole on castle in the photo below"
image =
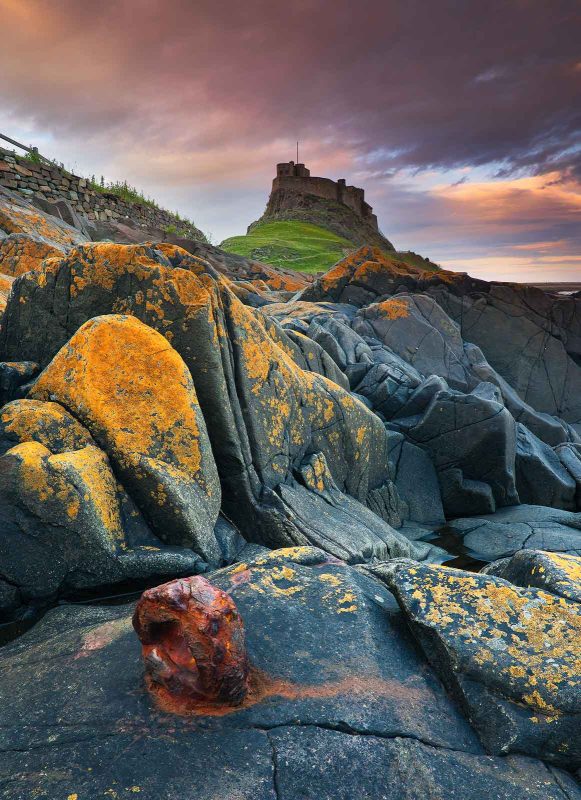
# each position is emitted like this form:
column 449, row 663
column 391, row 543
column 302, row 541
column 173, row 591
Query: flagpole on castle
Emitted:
column 297, row 152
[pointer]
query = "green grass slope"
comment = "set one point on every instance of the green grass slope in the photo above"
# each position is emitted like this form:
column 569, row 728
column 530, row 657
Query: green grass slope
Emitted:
column 293, row 244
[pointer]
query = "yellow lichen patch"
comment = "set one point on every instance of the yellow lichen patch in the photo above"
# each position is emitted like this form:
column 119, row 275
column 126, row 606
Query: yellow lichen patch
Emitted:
column 47, row 423
column 22, row 253
column 131, row 389
column 279, row 575
column 15, row 218
column 76, row 489
column 327, row 577
column 523, row 641
column 566, row 571
column 396, row 308
column 135, row 395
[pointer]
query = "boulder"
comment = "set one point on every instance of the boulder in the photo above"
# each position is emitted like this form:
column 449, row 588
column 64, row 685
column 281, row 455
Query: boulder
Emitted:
column 557, row 573
column 541, row 477
column 60, row 519
column 471, row 440
column 510, row 655
column 66, row 524
column 131, row 390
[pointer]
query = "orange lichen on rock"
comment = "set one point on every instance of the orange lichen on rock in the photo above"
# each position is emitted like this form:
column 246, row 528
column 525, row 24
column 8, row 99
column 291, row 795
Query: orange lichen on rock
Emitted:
column 193, row 645
column 43, row 422
column 20, row 253
column 395, row 308
column 278, row 281
column 5, row 287
column 134, row 394
column 361, row 265
column 126, row 382
column 524, row 642
column 17, row 218
column 76, row 489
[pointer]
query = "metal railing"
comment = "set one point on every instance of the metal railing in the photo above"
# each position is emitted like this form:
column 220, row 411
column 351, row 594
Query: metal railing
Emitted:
column 33, row 150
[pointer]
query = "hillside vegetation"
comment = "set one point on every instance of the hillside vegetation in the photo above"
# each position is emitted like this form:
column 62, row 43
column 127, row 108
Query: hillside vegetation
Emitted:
column 295, row 244
column 304, row 247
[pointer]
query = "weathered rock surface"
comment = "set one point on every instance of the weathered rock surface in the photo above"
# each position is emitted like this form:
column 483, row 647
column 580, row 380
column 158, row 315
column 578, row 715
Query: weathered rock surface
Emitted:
column 342, row 705
column 510, row 655
column 493, row 536
column 125, row 401
column 126, row 384
column 559, row 574
column 265, row 410
column 531, row 338
column 19, row 216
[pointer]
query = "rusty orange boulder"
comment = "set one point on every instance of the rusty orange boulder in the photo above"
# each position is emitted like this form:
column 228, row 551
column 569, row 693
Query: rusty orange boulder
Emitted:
column 193, row 645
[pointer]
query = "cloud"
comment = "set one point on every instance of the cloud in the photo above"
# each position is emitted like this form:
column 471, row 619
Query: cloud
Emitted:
column 197, row 101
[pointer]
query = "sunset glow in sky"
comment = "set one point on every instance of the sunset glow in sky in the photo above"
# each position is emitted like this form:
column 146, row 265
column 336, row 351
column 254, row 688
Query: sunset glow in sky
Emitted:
column 462, row 120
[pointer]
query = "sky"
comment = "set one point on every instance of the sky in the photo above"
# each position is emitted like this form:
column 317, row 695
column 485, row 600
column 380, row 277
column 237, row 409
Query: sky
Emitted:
column 460, row 118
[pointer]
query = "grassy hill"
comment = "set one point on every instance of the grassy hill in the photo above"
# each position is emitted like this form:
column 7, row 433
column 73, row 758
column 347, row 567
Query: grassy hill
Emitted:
column 298, row 245
column 303, row 246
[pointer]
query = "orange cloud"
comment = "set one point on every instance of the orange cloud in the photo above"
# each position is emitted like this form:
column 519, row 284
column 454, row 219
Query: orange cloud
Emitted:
column 526, row 200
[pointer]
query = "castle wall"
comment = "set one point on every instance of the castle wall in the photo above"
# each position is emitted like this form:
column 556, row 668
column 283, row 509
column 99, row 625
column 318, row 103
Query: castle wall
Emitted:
column 337, row 191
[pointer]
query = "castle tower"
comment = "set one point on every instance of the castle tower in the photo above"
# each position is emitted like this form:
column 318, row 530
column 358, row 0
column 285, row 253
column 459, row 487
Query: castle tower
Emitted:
column 291, row 170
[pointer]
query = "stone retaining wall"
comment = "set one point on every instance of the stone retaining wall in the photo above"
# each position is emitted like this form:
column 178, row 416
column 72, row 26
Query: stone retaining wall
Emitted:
column 51, row 182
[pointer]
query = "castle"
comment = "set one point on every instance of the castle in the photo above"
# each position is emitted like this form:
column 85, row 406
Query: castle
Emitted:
column 297, row 178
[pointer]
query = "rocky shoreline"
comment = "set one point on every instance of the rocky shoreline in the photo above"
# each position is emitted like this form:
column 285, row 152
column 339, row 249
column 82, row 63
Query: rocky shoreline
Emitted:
column 326, row 455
